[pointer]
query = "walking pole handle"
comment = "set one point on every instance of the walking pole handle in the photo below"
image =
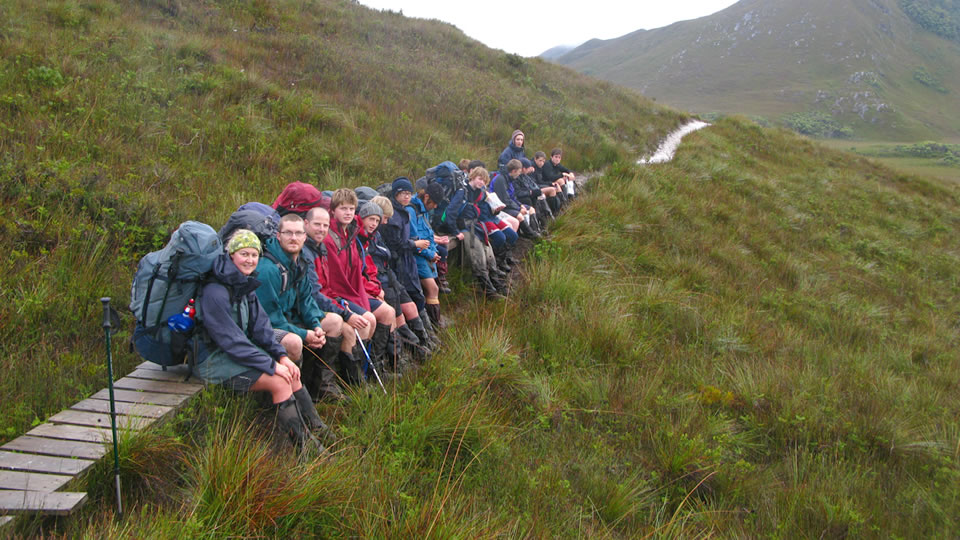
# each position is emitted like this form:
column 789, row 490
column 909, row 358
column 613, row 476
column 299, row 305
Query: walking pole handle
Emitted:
column 106, row 312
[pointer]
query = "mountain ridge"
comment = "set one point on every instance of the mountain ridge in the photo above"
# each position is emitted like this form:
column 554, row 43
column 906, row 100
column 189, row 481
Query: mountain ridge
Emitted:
column 864, row 62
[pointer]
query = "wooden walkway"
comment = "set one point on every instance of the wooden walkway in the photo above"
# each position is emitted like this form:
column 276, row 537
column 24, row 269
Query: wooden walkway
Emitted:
column 35, row 466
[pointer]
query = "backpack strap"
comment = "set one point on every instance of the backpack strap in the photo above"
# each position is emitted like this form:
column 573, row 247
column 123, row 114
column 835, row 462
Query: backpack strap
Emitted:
column 284, row 273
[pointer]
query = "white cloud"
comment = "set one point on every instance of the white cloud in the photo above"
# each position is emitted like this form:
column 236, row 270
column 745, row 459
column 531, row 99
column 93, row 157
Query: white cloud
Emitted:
column 530, row 27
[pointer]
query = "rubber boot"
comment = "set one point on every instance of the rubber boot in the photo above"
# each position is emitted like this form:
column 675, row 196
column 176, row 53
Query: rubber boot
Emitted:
column 554, row 204
column 289, row 421
column 434, row 311
column 424, row 351
column 308, row 412
column 489, row 289
column 378, row 346
column 327, row 387
column 407, row 335
column 442, row 278
column 430, row 328
column 351, row 368
column 398, row 359
column 527, row 232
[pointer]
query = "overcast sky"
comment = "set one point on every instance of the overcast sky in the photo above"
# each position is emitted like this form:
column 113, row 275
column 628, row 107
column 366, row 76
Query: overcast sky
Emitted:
column 530, row 27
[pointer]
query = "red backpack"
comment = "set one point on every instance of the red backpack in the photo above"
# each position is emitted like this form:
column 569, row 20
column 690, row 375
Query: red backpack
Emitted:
column 298, row 197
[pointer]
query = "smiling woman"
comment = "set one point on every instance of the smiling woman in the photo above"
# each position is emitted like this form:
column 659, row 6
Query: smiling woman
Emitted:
column 240, row 350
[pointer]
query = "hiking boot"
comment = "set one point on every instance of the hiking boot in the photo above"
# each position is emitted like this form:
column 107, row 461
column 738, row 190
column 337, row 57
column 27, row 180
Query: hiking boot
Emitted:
column 489, row 289
column 351, row 368
column 325, row 386
column 443, row 284
column 308, row 413
column 527, row 232
column 290, row 422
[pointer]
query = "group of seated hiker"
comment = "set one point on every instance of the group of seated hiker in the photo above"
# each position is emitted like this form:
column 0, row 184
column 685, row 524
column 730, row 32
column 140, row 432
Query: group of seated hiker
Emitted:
column 322, row 289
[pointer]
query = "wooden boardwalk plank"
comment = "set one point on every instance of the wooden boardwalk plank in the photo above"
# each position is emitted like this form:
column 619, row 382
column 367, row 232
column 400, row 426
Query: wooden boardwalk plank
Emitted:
column 44, row 464
column 73, row 433
column 129, row 383
column 91, row 419
column 5, row 520
column 157, row 375
column 25, row 481
column 131, row 409
column 58, row 503
column 56, row 447
column 182, row 369
column 132, row 396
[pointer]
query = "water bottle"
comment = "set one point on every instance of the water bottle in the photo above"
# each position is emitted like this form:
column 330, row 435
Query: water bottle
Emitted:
column 183, row 322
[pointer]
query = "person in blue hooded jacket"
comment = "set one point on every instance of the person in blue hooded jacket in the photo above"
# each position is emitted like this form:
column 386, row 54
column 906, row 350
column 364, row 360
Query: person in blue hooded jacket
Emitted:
column 429, row 256
column 514, row 149
column 240, row 350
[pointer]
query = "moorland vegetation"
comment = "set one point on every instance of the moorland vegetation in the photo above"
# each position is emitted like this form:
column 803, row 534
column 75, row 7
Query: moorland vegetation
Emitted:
column 756, row 339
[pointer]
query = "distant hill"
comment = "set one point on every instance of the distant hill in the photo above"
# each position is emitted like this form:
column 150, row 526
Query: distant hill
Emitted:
column 556, row 52
column 868, row 68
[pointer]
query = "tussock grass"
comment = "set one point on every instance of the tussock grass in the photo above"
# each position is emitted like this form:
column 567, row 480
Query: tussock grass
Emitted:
column 119, row 120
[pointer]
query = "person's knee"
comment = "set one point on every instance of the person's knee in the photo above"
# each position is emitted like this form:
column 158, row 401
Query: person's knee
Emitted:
column 430, row 289
column 293, row 345
column 332, row 325
column 385, row 314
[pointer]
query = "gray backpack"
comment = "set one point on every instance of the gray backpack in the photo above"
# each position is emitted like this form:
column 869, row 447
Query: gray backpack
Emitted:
column 165, row 282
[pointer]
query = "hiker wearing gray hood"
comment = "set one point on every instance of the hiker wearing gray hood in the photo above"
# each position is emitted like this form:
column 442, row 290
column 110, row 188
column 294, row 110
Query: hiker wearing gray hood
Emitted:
column 514, row 150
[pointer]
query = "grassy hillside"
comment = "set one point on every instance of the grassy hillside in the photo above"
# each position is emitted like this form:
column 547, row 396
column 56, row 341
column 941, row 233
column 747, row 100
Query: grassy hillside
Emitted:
column 865, row 64
column 756, row 340
column 120, row 119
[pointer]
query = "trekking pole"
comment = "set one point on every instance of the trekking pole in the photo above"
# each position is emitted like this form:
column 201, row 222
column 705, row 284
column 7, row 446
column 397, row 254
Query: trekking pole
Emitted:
column 108, row 315
column 365, row 353
column 370, row 362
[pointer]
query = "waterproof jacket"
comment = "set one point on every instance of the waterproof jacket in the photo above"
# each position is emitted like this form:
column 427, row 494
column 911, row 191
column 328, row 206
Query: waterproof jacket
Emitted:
column 526, row 189
column 552, row 173
column 504, row 186
column 291, row 308
column 396, row 235
column 344, row 264
column 371, row 273
column 225, row 297
column 316, row 255
column 512, row 151
column 469, row 205
column 420, row 228
column 537, row 176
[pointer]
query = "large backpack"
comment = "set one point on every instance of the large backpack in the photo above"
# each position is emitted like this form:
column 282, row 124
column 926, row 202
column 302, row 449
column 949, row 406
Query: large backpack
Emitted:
column 165, row 282
column 259, row 218
column 448, row 175
column 298, row 197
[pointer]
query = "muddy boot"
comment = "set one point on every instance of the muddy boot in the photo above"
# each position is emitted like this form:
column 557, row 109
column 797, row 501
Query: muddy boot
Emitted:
column 378, row 345
column 431, row 329
column 289, row 422
column 527, row 232
column 442, row 277
column 398, row 359
column 424, row 350
column 435, row 318
column 308, row 413
column 327, row 386
column 489, row 289
column 351, row 368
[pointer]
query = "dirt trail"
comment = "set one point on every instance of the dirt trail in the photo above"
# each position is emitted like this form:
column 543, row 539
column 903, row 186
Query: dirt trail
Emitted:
column 669, row 145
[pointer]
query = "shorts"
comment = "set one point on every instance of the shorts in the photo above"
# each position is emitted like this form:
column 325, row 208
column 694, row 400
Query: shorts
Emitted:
column 278, row 335
column 243, row 382
column 356, row 308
